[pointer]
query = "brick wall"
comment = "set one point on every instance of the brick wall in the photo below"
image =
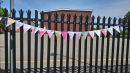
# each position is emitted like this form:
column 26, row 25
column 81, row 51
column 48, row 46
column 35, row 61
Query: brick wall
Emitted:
column 72, row 13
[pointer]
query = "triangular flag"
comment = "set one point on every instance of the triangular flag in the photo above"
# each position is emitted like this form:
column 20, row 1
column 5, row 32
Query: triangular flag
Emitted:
column 98, row 32
column 104, row 31
column 84, row 34
column 117, row 28
column 11, row 20
column 50, row 32
column 34, row 29
column 91, row 33
column 18, row 25
column 64, row 34
column 57, row 33
column 110, row 30
column 78, row 34
column 8, row 23
column 0, row 18
column 26, row 27
column 71, row 34
column 42, row 31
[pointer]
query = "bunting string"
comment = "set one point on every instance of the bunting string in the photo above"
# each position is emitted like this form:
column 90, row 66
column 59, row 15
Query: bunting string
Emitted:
column 58, row 33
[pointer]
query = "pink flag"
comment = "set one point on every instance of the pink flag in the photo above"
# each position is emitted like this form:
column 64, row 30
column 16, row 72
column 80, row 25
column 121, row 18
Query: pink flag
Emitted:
column 78, row 34
column 104, row 31
column 50, row 32
column 64, row 34
column 42, row 31
column 91, row 33
column 18, row 25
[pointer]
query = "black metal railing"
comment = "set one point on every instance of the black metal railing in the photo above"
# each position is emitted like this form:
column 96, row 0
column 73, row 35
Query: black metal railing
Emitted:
column 80, row 23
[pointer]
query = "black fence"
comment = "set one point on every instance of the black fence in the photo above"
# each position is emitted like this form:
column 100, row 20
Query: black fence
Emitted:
column 80, row 23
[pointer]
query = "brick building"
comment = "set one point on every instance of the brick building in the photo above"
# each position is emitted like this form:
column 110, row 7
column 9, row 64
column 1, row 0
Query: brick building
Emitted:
column 84, row 13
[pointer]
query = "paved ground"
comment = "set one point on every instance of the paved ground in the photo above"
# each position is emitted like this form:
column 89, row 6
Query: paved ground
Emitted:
column 58, row 50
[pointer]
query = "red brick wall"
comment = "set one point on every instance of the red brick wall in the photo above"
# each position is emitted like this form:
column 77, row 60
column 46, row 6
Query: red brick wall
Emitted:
column 72, row 13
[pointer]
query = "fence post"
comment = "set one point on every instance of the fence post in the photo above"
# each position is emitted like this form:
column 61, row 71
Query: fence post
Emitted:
column 36, row 41
column 61, row 50
column 6, row 41
column 29, row 41
column 74, row 29
column 107, row 51
column 127, row 53
column 21, row 42
column 49, row 39
column 85, row 46
column 67, row 52
column 113, row 44
column 97, row 41
column 79, row 55
column 102, row 47
column 55, row 44
column 123, row 42
column 91, row 45
column 118, row 44
column 42, row 43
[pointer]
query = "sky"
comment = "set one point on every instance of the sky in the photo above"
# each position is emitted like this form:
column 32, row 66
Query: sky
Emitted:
column 112, row 8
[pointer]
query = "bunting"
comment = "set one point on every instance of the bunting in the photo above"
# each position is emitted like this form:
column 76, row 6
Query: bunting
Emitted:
column 110, row 30
column 26, row 27
column 64, row 34
column 78, row 34
column 18, row 25
column 57, row 33
column 10, row 21
column 104, row 31
column 97, row 32
column 42, row 31
column 84, row 34
column 34, row 29
column 50, row 32
column 91, row 34
column 117, row 28
column 71, row 34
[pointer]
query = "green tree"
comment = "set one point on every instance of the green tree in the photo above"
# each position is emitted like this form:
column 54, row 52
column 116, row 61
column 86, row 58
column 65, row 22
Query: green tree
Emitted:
column 96, row 28
column 127, row 17
column 2, row 22
column 1, row 2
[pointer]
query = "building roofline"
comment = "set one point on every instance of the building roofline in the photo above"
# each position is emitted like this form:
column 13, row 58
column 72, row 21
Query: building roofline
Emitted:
column 68, row 10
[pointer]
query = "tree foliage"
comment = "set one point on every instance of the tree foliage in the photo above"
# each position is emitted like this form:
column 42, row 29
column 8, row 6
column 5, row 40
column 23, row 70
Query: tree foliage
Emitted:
column 1, row 2
column 127, row 17
column 2, row 22
column 96, row 28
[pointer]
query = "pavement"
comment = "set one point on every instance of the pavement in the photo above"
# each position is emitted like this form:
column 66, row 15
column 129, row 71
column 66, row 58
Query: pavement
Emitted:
column 2, row 51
